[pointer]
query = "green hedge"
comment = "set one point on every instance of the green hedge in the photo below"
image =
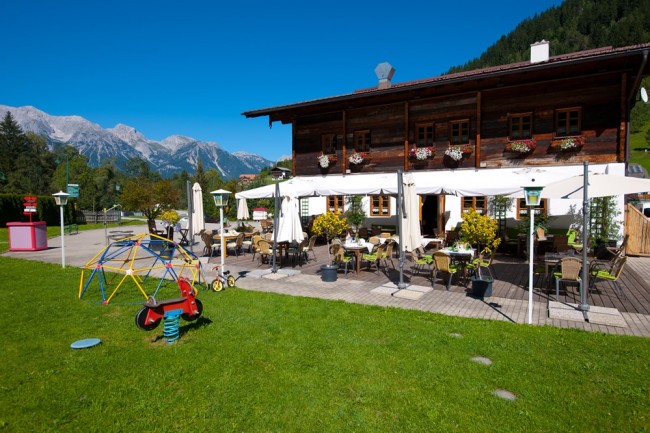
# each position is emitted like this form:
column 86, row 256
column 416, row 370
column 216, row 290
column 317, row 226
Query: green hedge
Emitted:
column 11, row 210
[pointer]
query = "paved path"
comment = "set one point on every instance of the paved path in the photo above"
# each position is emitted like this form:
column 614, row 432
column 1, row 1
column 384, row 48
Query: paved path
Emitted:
column 80, row 248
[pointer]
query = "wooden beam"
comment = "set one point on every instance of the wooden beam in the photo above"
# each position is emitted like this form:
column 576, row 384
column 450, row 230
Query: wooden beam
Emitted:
column 622, row 132
column 344, row 162
column 477, row 146
column 406, row 136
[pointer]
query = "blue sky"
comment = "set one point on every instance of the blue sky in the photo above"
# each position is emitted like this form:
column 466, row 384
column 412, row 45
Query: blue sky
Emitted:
column 192, row 67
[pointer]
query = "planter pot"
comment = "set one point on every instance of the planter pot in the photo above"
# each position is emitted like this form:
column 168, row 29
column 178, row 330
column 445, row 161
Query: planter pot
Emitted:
column 482, row 287
column 329, row 273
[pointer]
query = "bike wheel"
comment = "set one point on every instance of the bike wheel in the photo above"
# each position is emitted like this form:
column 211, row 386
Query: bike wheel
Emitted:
column 231, row 281
column 217, row 285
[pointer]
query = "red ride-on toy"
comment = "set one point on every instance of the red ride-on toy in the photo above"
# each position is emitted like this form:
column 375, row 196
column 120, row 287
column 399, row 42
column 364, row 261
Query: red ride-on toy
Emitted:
column 153, row 311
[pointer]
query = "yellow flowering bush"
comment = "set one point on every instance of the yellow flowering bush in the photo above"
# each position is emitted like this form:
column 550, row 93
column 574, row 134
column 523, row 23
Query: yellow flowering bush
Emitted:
column 329, row 224
column 480, row 230
column 170, row 217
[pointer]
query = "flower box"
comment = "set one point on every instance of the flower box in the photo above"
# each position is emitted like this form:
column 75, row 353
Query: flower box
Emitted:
column 521, row 147
column 422, row 153
column 571, row 143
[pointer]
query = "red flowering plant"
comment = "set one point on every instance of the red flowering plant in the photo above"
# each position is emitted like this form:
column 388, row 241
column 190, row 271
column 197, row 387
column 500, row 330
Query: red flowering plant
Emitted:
column 521, row 146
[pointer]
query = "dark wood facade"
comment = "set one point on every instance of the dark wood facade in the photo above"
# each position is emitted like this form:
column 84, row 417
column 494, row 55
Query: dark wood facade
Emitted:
column 599, row 85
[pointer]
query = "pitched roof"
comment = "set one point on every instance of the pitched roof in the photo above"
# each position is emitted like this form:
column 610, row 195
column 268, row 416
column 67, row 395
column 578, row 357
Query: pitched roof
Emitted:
column 554, row 61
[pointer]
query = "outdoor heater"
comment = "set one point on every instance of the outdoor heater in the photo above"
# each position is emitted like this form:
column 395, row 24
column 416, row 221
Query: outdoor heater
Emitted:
column 533, row 195
column 220, row 197
column 61, row 199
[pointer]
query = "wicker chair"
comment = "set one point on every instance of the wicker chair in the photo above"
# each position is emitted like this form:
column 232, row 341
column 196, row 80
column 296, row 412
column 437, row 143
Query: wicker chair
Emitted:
column 569, row 272
column 341, row 259
column 610, row 273
column 443, row 263
column 388, row 253
column 264, row 251
column 209, row 245
column 374, row 257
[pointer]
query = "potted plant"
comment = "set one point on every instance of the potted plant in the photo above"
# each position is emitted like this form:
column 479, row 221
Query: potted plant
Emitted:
column 329, row 224
column 453, row 156
column 358, row 158
column 422, row 153
column 480, row 230
column 170, row 217
column 325, row 160
column 569, row 144
column 355, row 214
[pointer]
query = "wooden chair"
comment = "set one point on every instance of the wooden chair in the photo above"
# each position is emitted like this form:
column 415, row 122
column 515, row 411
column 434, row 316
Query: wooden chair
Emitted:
column 560, row 243
column 443, row 263
column 247, row 244
column 609, row 273
column 569, row 272
column 620, row 250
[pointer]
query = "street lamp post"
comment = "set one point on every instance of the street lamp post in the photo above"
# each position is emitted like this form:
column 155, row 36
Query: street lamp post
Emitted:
column 533, row 200
column 220, row 197
column 61, row 199
column 117, row 199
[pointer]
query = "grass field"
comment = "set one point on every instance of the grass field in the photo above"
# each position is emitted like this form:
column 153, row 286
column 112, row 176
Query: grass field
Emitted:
column 265, row 362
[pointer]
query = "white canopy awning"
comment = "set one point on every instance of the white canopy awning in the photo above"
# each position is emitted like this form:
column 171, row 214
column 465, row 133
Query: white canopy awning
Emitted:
column 471, row 182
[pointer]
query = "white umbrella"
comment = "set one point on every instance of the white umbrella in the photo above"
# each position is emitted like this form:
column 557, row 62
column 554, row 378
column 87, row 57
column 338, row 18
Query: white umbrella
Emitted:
column 198, row 220
column 599, row 185
column 412, row 236
column 289, row 227
column 242, row 210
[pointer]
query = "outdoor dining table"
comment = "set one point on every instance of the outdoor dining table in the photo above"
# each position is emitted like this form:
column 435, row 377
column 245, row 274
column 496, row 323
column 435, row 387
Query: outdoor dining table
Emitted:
column 226, row 237
column 357, row 250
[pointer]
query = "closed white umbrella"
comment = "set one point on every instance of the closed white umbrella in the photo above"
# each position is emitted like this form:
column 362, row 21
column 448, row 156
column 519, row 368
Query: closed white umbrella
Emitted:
column 198, row 219
column 242, row 210
column 289, row 227
column 412, row 236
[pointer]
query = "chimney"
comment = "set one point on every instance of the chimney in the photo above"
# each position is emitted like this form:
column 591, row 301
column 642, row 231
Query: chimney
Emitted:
column 384, row 72
column 539, row 51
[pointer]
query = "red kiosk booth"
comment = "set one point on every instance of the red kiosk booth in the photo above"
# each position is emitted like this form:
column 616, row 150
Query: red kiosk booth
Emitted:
column 31, row 236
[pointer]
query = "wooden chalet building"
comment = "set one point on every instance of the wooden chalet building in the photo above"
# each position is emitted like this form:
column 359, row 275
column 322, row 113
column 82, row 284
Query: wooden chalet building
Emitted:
column 549, row 111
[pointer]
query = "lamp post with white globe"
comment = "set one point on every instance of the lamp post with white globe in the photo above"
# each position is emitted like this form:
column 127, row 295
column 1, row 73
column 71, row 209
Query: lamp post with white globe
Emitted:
column 61, row 199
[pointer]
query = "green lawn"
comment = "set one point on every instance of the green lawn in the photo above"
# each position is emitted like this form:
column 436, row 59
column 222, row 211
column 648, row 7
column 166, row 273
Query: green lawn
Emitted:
column 266, row 362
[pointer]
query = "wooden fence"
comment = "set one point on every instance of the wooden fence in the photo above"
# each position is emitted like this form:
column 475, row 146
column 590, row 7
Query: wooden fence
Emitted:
column 638, row 227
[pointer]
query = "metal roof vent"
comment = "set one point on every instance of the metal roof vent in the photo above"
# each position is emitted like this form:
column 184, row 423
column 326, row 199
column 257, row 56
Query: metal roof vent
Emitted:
column 539, row 51
column 384, row 72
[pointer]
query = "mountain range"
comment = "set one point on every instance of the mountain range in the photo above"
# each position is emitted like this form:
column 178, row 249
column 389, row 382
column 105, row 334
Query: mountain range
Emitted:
column 168, row 157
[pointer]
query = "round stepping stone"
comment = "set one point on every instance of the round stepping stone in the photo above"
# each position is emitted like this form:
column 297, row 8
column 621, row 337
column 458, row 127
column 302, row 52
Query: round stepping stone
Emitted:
column 482, row 360
column 506, row 395
column 456, row 335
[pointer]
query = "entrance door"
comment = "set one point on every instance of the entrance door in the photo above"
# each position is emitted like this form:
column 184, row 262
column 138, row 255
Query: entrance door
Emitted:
column 432, row 217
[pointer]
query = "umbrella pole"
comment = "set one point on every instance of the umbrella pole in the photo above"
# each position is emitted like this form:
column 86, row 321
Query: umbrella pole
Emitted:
column 190, row 209
column 584, row 306
column 274, row 269
column 401, row 214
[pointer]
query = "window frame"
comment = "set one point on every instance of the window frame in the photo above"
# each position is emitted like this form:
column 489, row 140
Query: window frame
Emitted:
column 522, row 209
column 567, row 121
column 382, row 206
column 457, row 139
column 429, row 136
column 482, row 210
column 520, row 133
column 335, row 203
column 361, row 140
column 329, row 144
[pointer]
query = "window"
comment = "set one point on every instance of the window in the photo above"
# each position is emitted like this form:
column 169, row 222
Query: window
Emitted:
column 380, row 205
column 568, row 121
column 424, row 134
column 362, row 141
column 478, row 203
column 521, row 126
column 329, row 144
column 459, row 131
column 522, row 210
column 335, row 203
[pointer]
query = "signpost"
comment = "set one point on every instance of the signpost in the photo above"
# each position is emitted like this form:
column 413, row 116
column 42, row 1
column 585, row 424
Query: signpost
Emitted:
column 30, row 206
